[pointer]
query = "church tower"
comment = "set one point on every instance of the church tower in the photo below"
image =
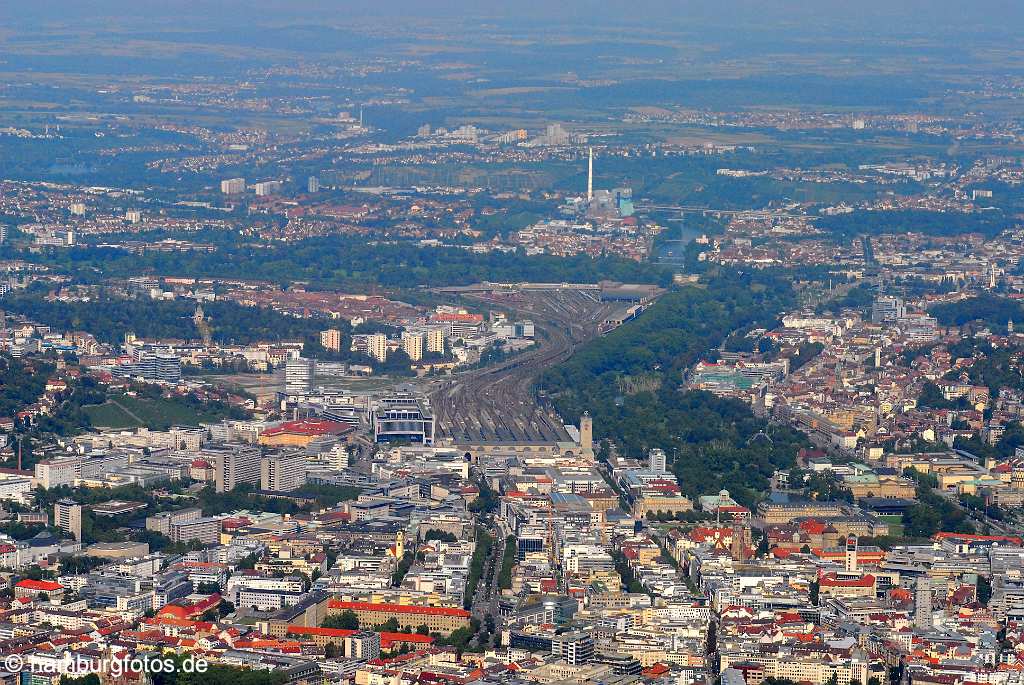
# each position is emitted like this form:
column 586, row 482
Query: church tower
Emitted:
column 586, row 435
column 400, row 545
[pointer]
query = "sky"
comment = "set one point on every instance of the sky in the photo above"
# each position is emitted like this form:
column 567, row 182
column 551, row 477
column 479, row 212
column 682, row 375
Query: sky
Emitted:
column 883, row 15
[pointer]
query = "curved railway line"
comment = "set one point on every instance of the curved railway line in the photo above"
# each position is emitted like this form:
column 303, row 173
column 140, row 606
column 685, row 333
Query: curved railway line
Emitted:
column 496, row 404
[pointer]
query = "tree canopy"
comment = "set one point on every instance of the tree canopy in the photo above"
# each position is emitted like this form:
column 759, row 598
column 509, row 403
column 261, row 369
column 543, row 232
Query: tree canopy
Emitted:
column 629, row 381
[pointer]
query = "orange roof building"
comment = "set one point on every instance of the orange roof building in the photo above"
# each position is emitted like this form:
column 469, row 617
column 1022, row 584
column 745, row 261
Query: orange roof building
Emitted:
column 29, row 588
column 184, row 610
column 322, row 636
column 301, row 433
column 442, row 620
column 832, row 585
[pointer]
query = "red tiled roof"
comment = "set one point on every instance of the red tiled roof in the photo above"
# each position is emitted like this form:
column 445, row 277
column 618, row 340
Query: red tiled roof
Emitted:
column 469, row 318
column 39, row 585
column 703, row 533
column 397, row 608
column 236, row 522
column 1008, row 539
column 335, row 516
column 270, row 643
column 199, row 626
column 813, row 526
column 310, row 427
column 326, row 632
column 190, row 610
column 407, row 637
column 831, row 580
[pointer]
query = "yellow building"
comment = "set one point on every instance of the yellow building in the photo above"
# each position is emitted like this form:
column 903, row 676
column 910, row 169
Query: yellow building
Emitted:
column 377, row 346
column 666, row 503
column 830, row 585
column 412, row 344
column 435, row 340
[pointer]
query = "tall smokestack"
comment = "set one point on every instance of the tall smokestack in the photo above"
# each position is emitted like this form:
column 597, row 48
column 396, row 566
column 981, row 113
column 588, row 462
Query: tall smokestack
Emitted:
column 590, row 176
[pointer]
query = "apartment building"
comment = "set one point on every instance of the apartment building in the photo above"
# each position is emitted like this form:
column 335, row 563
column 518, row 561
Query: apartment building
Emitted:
column 67, row 515
column 283, row 473
column 234, row 465
column 162, row 523
column 56, row 472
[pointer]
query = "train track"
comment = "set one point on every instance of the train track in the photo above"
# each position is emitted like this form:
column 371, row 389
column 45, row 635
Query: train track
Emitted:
column 496, row 404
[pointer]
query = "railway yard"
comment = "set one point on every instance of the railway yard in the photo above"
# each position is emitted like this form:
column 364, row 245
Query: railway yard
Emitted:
column 496, row 404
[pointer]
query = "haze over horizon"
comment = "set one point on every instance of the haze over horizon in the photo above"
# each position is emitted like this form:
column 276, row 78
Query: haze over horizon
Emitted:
column 906, row 16
column 537, row 342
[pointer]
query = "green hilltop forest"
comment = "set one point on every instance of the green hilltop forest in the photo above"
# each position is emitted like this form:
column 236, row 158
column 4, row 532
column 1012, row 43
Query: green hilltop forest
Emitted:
column 631, row 383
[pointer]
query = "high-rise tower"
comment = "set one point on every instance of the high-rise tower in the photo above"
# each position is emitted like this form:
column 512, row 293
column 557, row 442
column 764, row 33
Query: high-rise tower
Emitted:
column 851, row 553
column 923, row 603
column 586, row 435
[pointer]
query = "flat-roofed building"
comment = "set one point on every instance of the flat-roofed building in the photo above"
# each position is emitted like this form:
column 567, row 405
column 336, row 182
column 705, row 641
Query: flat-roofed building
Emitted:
column 363, row 646
column 576, row 647
column 435, row 340
column 232, row 186
column 268, row 600
column 118, row 550
column 235, row 465
column 403, row 418
column 283, row 472
column 55, row 472
column 67, row 515
column 161, row 523
column 331, row 339
column 412, row 345
column 205, row 530
column 377, row 346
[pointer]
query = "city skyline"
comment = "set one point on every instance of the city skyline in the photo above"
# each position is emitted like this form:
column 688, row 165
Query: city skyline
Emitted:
column 592, row 343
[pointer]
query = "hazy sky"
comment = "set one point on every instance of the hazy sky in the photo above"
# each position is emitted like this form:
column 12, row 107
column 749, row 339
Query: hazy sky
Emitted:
column 888, row 15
